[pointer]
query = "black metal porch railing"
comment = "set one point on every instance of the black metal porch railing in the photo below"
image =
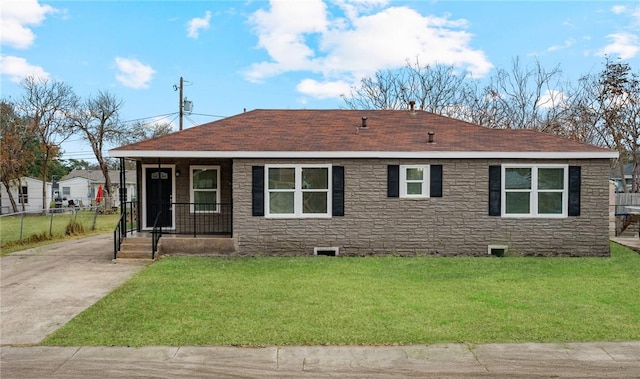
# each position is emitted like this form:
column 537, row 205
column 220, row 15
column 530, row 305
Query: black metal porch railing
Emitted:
column 156, row 233
column 128, row 223
column 202, row 219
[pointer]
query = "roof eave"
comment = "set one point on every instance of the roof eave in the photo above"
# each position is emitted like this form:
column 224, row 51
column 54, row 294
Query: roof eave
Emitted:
column 367, row 154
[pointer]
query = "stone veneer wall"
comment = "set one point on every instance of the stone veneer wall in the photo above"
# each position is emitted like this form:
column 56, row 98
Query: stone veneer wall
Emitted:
column 456, row 224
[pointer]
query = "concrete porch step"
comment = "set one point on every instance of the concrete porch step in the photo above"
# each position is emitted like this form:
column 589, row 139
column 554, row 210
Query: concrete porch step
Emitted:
column 135, row 248
column 135, row 254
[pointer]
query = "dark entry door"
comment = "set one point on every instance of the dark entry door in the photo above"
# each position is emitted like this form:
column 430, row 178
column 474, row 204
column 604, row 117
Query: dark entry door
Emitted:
column 159, row 185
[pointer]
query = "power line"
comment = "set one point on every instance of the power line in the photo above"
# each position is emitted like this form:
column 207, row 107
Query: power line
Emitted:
column 146, row 118
column 209, row 115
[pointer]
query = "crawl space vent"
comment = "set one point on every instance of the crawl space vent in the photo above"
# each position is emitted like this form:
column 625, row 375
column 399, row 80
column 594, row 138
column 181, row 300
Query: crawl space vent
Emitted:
column 326, row 251
column 497, row 250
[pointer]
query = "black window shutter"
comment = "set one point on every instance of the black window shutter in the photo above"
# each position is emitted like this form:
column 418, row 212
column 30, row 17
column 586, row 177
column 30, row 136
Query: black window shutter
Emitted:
column 574, row 190
column 495, row 187
column 393, row 181
column 435, row 189
column 257, row 190
column 337, row 192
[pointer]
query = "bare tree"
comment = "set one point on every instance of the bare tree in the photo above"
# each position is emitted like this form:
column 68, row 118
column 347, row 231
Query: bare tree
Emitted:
column 97, row 119
column 523, row 97
column 519, row 97
column 140, row 131
column 437, row 89
column 47, row 104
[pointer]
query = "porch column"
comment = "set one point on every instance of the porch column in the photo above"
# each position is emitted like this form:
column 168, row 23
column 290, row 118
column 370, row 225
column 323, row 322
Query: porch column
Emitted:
column 123, row 198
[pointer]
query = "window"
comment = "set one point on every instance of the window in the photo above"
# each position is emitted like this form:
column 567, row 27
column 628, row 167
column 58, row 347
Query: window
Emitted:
column 536, row 190
column 66, row 191
column 414, row 181
column 298, row 191
column 205, row 189
column 23, row 196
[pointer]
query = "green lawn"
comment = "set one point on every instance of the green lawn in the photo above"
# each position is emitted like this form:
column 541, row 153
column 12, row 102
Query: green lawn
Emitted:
column 40, row 230
column 375, row 300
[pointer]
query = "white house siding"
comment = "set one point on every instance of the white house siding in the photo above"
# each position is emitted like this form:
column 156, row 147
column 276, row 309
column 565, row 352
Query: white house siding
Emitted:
column 80, row 190
column 34, row 196
column 84, row 186
column 456, row 224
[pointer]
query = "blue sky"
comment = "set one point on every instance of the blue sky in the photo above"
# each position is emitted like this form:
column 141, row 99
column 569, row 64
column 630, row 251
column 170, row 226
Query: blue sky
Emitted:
column 289, row 54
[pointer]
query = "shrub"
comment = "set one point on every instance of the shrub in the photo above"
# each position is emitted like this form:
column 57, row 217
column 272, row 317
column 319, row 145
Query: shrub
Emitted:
column 74, row 228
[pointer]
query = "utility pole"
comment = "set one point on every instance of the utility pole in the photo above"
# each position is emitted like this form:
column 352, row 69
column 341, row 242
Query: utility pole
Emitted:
column 181, row 109
column 185, row 105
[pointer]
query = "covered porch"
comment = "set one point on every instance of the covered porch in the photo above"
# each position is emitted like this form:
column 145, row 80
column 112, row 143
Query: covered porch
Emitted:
column 187, row 199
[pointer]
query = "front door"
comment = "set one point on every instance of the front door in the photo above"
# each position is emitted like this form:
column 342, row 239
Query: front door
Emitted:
column 159, row 187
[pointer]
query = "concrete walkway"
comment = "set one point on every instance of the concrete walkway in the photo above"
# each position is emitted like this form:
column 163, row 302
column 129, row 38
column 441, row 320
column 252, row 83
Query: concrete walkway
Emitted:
column 632, row 243
column 42, row 289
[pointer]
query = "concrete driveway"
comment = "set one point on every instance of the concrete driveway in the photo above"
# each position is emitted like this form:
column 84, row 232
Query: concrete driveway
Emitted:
column 41, row 289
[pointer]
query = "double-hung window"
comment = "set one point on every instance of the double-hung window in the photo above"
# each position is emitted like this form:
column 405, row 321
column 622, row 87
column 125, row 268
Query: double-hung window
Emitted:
column 205, row 189
column 414, row 181
column 23, row 197
column 535, row 190
column 298, row 190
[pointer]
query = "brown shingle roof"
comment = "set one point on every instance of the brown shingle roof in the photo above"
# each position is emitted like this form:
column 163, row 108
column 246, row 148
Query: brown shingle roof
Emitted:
column 340, row 130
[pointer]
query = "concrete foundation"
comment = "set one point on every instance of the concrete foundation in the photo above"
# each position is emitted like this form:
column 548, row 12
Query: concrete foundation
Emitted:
column 202, row 246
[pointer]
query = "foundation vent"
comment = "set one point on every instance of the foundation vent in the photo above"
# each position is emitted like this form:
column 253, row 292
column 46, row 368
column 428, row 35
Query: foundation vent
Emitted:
column 326, row 251
column 497, row 250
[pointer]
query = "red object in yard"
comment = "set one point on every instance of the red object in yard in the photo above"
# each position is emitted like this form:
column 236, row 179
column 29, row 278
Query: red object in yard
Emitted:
column 99, row 195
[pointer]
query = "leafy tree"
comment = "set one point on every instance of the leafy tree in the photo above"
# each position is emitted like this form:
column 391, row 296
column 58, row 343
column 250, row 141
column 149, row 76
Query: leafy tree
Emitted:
column 15, row 158
column 604, row 109
column 46, row 105
column 79, row 164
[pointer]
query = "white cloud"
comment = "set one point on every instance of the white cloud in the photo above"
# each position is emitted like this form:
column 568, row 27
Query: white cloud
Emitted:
column 196, row 24
column 17, row 69
column 618, row 9
column 567, row 44
column 305, row 37
column 324, row 90
column 551, row 98
column 133, row 74
column 624, row 45
column 16, row 18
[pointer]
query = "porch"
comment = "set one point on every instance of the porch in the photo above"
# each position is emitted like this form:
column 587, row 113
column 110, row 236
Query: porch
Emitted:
column 187, row 199
column 183, row 232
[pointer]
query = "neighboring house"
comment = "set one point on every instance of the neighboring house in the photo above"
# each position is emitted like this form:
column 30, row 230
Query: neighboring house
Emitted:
column 81, row 186
column 30, row 196
column 628, row 178
column 363, row 182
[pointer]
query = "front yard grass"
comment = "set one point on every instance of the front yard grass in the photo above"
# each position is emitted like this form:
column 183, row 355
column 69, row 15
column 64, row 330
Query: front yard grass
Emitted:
column 373, row 300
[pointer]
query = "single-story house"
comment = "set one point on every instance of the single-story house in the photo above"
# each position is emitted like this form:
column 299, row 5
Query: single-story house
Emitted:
column 29, row 195
column 81, row 186
column 365, row 182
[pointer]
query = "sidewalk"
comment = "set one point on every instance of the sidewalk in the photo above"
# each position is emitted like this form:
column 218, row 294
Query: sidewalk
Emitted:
column 571, row 360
